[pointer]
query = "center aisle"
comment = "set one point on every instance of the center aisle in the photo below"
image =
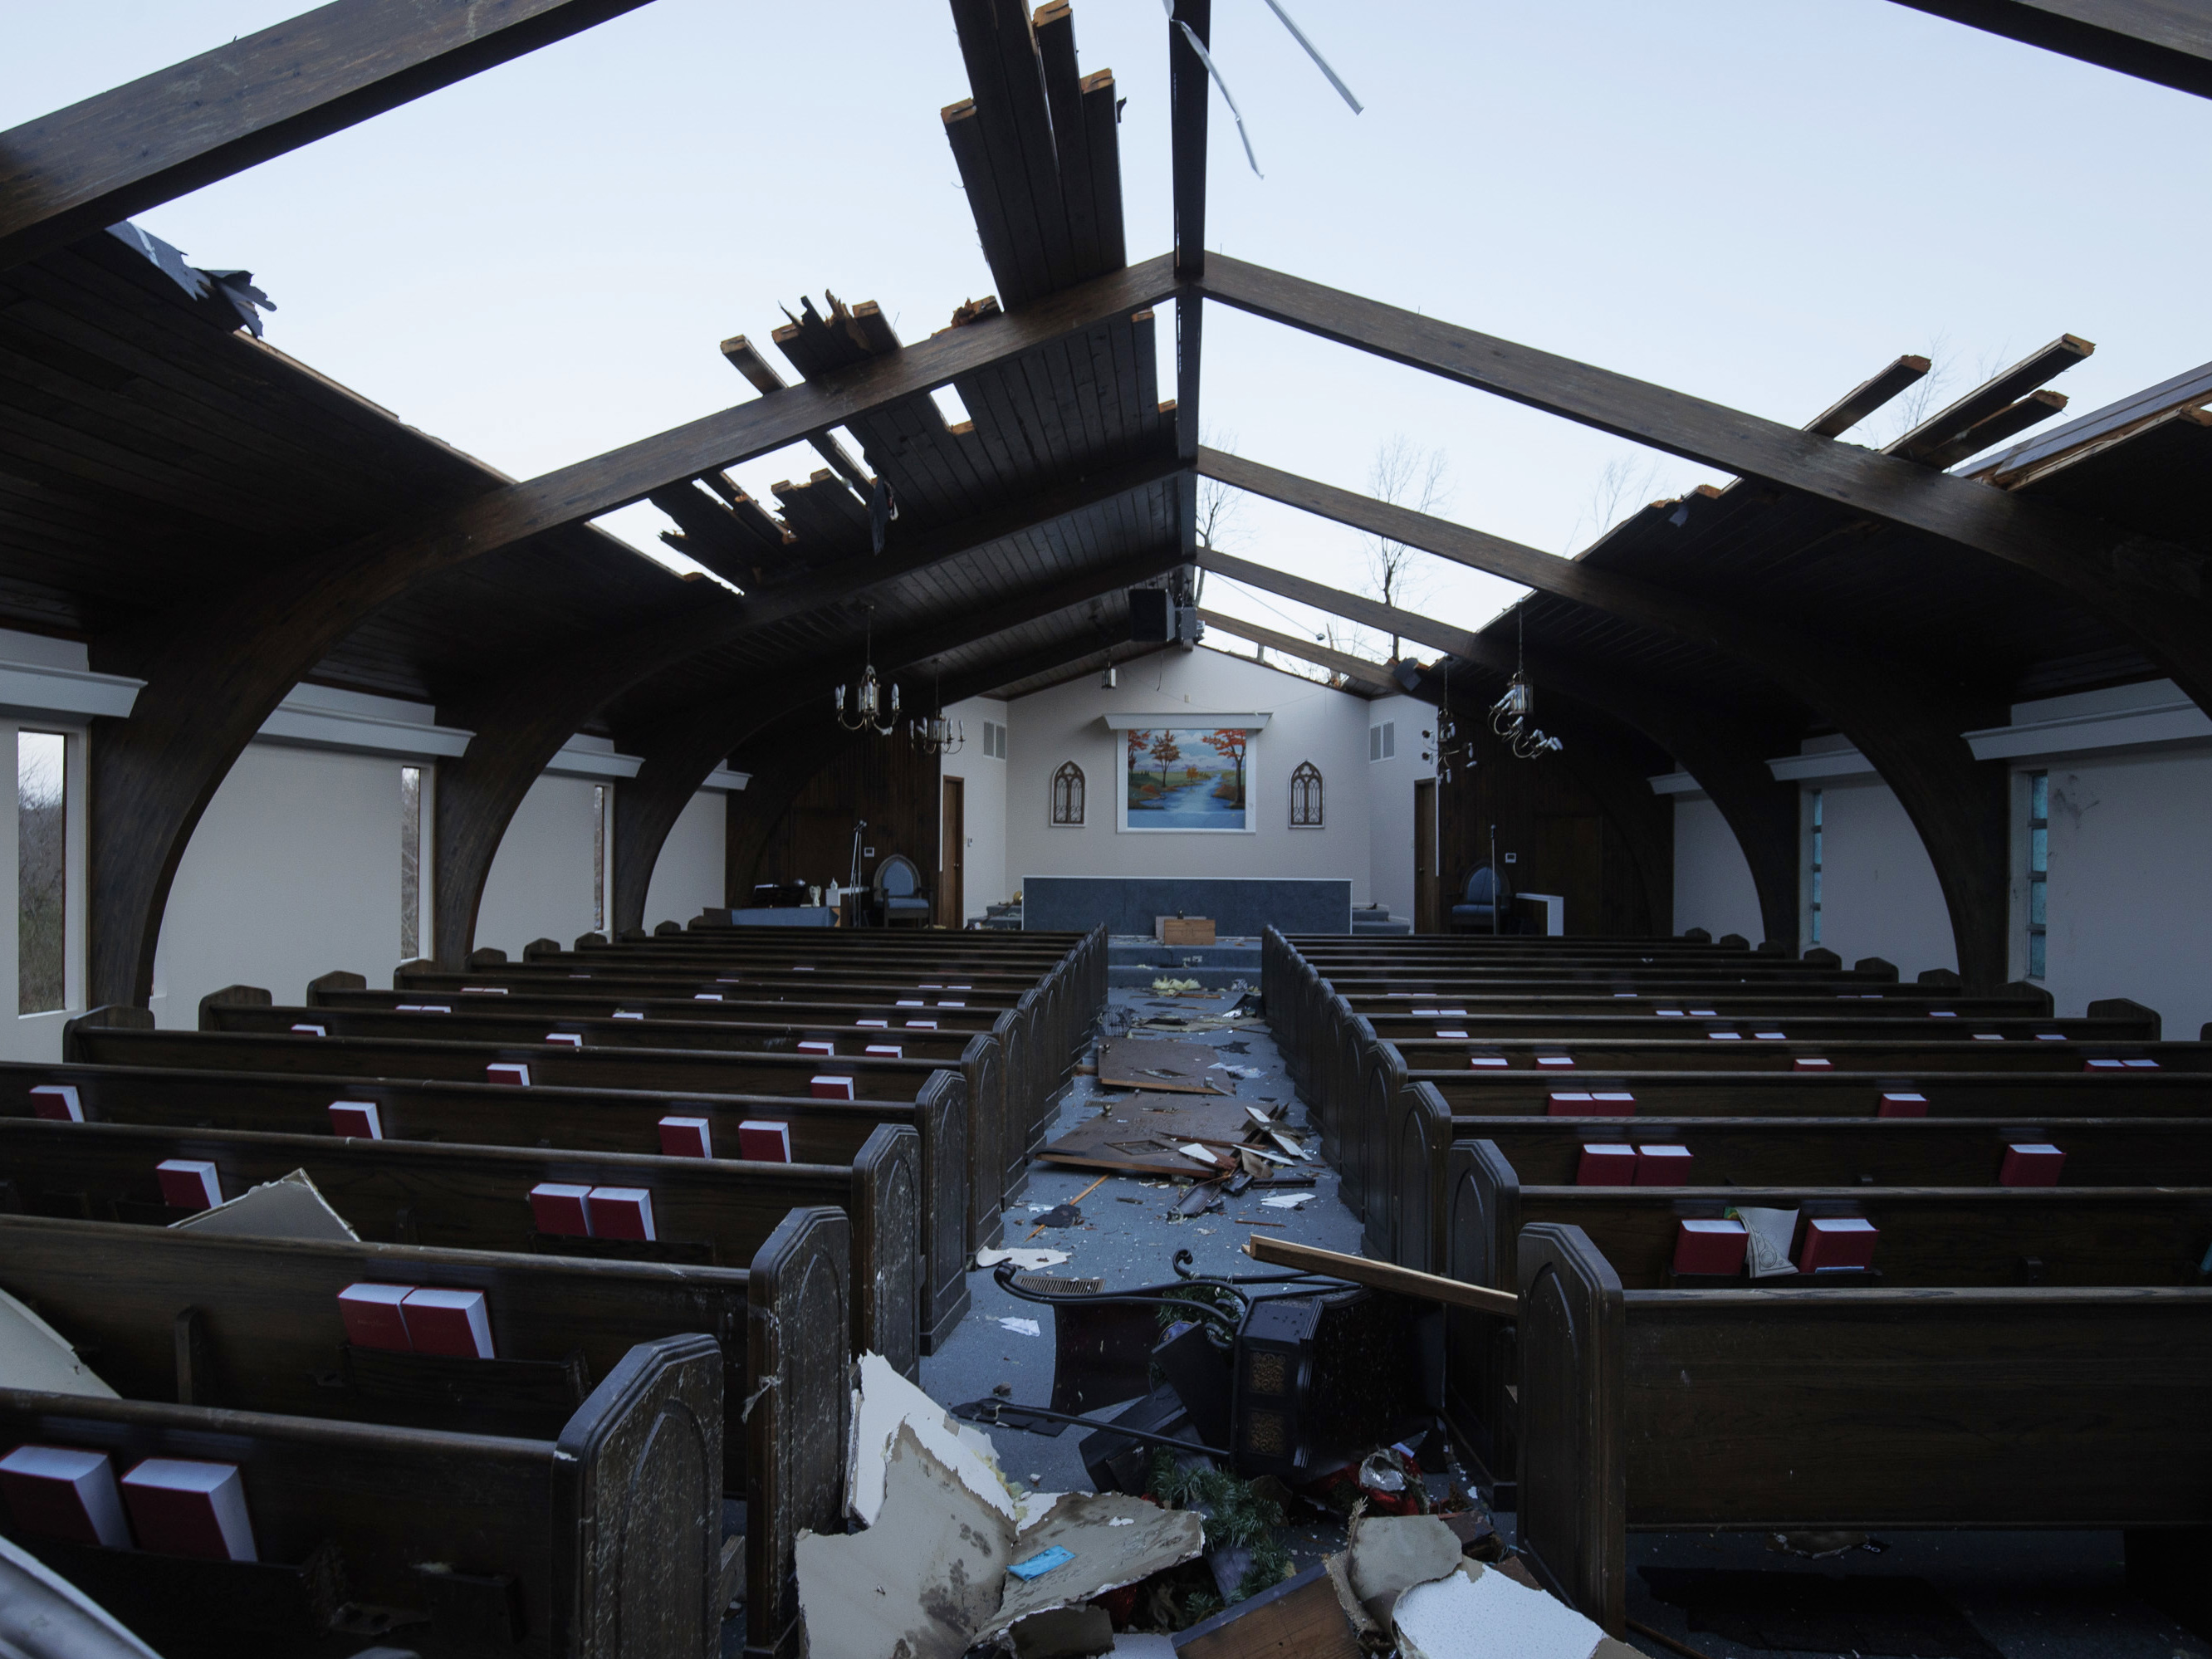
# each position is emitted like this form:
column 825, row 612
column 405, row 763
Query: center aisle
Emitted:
column 1128, row 1235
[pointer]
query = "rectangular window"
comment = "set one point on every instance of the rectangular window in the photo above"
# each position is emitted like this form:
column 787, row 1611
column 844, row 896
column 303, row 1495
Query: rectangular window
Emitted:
column 598, row 858
column 1383, row 741
column 410, row 863
column 41, row 871
column 994, row 740
column 1815, row 868
column 2038, row 868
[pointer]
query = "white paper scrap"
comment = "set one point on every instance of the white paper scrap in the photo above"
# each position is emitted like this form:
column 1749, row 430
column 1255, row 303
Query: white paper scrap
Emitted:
column 1021, row 1327
column 1027, row 1260
column 1284, row 1201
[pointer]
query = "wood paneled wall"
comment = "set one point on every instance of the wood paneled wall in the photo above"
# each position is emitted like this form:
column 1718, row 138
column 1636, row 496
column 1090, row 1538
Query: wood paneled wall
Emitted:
column 1582, row 824
column 886, row 780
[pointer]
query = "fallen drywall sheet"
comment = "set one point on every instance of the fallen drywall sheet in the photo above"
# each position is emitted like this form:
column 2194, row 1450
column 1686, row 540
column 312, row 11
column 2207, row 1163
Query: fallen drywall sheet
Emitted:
column 287, row 1207
column 1157, row 1063
column 1388, row 1554
column 922, row 1581
column 1474, row 1614
column 1111, row 1540
column 885, row 1402
column 34, row 1355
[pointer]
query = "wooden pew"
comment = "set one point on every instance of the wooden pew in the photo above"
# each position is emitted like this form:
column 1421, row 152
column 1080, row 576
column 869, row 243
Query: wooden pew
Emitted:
column 709, row 1213
column 90, row 1040
column 1983, row 1235
column 1411, row 1122
column 1864, row 1408
column 576, row 1545
column 997, row 1112
column 247, row 1324
column 574, row 1120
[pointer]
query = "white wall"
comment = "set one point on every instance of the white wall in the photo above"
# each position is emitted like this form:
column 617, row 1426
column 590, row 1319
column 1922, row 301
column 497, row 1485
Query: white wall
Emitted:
column 1388, row 786
column 1878, row 893
column 293, row 871
column 983, row 799
column 1713, row 889
column 1310, row 722
column 540, row 884
column 687, row 877
column 2129, row 903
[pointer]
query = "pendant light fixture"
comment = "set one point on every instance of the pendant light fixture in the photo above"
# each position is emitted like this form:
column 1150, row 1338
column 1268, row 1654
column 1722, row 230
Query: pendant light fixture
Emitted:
column 1511, row 715
column 869, row 712
column 937, row 735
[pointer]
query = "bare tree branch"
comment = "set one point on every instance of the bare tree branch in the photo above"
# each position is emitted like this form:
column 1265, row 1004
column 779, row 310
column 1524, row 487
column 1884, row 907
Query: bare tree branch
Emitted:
column 1403, row 475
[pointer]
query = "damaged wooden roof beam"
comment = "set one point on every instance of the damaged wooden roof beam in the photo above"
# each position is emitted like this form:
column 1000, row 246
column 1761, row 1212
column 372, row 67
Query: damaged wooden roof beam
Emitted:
column 1939, row 431
column 748, row 361
column 1867, row 397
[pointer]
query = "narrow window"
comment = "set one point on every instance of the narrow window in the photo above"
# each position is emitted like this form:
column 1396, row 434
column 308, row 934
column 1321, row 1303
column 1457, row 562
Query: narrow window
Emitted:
column 1068, row 796
column 2038, row 868
column 410, row 863
column 1383, row 741
column 1816, row 868
column 598, row 858
column 1305, row 797
column 41, row 871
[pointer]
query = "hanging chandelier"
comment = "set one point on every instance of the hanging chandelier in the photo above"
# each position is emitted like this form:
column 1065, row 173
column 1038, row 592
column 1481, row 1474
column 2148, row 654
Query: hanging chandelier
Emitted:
column 937, row 735
column 1511, row 715
column 869, row 712
column 1447, row 747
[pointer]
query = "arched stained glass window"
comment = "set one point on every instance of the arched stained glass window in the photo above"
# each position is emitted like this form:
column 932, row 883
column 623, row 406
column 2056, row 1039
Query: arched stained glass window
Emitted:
column 1068, row 796
column 1305, row 797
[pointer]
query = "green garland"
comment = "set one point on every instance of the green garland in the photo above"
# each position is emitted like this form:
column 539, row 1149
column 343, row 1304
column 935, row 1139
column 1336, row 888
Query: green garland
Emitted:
column 1238, row 1517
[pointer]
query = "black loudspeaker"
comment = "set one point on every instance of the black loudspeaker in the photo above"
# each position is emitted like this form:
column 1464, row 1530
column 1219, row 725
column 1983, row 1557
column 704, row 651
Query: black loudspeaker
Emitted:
column 1151, row 616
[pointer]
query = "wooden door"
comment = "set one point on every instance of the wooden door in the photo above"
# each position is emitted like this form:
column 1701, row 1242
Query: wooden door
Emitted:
column 1570, row 861
column 1427, row 915
column 952, row 852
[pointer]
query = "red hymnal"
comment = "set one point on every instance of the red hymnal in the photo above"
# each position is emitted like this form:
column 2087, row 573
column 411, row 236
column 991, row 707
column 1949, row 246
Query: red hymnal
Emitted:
column 1809, row 1064
column 64, row 1491
column 629, row 1013
column 621, row 1213
column 921, row 1025
column 189, row 1183
column 830, row 1088
column 872, row 1025
column 1567, row 1060
column 310, row 1031
column 180, row 1508
column 1488, row 1062
column 942, row 1003
column 356, row 1118
column 508, row 1072
column 817, row 1049
column 559, row 1208
column 910, row 1002
column 1840, row 1241
column 1607, row 1102
column 885, row 1051
column 706, row 996
column 56, row 1101
column 1663, row 1166
column 1710, row 1247
column 1903, row 1105
column 687, row 1137
column 372, row 1316
column 453, row 1322
column 1442, row 1033
column 764, row 1142
column 566, row 1039
column 1606, row 1166
column 2031, row 1163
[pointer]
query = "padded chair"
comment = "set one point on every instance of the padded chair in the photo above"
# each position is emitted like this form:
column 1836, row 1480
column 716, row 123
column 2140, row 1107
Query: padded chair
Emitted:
column 1484, row 896
column 899, row 897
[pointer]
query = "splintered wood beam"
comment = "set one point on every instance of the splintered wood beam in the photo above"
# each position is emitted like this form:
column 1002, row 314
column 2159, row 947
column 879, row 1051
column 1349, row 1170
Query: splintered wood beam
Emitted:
column 1866, row 397
column 2154, row 591
column 1938, row 431
column 745, row 358
column 2151, row 40
column 1186, row 102
column 2034, row 408
column 1371, row 613
column 65, row 175
column 1337, row 662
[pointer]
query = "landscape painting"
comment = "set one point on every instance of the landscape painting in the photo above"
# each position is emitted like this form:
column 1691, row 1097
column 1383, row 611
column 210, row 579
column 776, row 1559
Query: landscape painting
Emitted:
column 1187, row 778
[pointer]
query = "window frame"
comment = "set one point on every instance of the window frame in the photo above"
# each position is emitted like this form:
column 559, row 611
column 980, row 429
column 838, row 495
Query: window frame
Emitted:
column 1079, row 800
column 1305, row 777
column 2036, row 890
column 76, row 863
column 1815, row 855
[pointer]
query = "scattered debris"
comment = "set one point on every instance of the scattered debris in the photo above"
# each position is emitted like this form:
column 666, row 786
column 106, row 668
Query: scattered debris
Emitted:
column 1060, row 1215
column 34, row 1355
column 1027, row 1260
column 1020, row 1327
column 1174, row 987
column 287, row 1207
column 1156, row 1063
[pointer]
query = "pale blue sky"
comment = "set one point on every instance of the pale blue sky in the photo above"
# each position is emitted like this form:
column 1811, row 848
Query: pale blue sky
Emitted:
column 1757, row 202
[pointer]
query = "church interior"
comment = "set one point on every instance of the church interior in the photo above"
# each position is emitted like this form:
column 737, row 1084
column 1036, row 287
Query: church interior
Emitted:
column 1665, row 1121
